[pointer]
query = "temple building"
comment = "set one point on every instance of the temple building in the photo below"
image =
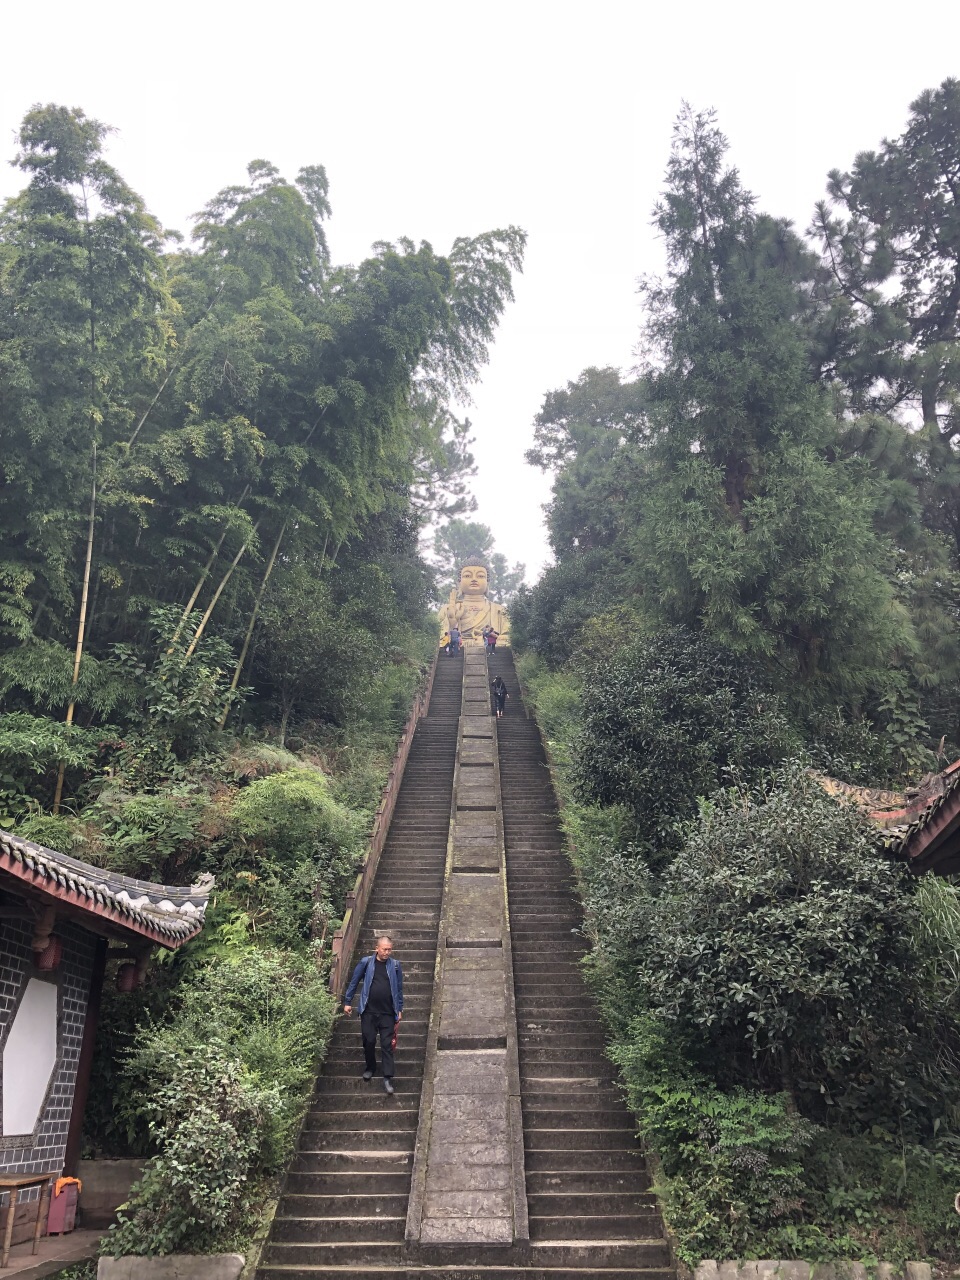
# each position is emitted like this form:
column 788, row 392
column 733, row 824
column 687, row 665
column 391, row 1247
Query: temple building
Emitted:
column 60, row 921
column 919, row 826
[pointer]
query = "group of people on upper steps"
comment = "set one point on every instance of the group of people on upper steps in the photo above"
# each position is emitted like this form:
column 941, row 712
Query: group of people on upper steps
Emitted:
column 451, row 642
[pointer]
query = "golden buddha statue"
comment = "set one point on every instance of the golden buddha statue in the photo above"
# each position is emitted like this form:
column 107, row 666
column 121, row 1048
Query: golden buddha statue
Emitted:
column 470, row 608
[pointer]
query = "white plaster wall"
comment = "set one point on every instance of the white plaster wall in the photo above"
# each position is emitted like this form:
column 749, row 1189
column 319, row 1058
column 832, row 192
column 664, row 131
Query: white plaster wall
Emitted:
column 29, row 1057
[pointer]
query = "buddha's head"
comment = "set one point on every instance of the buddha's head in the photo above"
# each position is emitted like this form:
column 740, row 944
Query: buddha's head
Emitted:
column 473, row 580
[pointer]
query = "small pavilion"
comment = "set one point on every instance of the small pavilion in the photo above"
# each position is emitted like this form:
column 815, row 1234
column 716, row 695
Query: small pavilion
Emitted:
column 60, row 922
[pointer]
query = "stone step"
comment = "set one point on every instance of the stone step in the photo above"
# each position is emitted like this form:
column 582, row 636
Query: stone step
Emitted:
column 561, row 1182
column 370, row 1115
column 584, row 1160
column 545, row 1119
column 548, row 1036
column 626, row 1252
column 414, row 1271
column 592, row 1059
column 364, row 1207
column 379, row 1183
column 334, row 1162
column 601, row 1227
column 614, row 1139
column 404, row 1083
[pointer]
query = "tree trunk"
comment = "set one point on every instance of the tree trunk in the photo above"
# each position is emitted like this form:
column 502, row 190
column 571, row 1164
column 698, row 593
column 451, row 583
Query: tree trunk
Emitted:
column 788, row 1085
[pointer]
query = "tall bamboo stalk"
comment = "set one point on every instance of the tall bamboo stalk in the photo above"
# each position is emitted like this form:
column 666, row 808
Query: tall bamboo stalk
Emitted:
column 188, row 607
column 173, row 368
column 202, row 625
column 82, row 624
column 253, row 619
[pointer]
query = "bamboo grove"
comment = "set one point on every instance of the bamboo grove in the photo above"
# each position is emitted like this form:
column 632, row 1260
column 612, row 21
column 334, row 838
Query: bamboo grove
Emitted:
column 197, row 436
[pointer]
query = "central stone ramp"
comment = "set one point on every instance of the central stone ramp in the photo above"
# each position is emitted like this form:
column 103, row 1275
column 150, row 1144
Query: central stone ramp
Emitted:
column 468, row 1185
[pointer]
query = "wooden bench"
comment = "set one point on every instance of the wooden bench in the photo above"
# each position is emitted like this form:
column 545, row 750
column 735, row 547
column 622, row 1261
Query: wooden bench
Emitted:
column 13, row 1184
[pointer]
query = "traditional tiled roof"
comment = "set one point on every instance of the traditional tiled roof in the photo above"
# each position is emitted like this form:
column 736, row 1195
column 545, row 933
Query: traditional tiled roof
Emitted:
column 920, row 825
column 167, row 915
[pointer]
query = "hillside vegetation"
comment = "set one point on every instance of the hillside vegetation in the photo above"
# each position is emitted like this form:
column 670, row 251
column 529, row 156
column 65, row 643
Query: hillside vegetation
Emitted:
column 218, row 459
column 757, row 566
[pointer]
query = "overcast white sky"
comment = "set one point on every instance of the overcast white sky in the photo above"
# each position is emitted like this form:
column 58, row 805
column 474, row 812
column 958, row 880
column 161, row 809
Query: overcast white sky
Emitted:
column 437, row 120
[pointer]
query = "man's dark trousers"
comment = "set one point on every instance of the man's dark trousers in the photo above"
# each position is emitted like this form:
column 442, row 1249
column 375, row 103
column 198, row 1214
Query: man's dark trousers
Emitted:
column 372, row 1024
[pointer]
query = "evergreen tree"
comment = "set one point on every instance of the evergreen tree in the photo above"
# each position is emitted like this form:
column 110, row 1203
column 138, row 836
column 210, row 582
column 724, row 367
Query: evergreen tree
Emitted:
column 749, row 524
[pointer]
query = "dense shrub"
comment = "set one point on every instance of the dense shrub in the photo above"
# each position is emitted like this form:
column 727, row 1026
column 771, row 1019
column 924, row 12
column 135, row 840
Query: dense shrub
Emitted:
column 780, row 939
column 221, row 1088
column 293, row 853
column 32, row 748
column 197, row 1194
column 731, row 1162
column 667, row 718
column 547, row 619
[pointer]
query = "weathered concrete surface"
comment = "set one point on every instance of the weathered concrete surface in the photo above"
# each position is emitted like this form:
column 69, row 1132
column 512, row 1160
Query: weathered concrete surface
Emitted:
column 475, row 909
column 476, row 856
column 468, row 1179
column 106, row 1186
column 182, row 1266
column 476, row 729
column 54, row 1255
column 477, row 789
column 766, row 1269
column 477, row 751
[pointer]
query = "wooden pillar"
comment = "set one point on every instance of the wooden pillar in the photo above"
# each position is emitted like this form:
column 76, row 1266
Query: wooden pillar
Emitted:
column 71, row 1160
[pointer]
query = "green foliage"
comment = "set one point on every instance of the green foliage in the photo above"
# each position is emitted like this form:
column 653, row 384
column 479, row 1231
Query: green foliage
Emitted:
column 732, row 1163
column 665, row 719
column 296, row 853
column 209, row 415
column 149, row 835
column 240, row 443
column 548, row 619
column 293, row 813
column 782, row 932
column 777, row 899
column 221, row 1087
column 82, row 1271
column 31, row 749
column 197, row 1192
column 936, row 938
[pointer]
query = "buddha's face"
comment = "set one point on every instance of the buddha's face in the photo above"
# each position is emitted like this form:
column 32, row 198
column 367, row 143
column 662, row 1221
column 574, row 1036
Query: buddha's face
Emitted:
column 473, row 580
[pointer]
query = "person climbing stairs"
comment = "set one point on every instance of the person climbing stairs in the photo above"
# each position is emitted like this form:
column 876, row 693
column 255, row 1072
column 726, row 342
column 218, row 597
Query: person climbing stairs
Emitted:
column 346, row 1191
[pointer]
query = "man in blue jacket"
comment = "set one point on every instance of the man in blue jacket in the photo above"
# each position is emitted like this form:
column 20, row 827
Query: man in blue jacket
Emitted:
column 381, row 1006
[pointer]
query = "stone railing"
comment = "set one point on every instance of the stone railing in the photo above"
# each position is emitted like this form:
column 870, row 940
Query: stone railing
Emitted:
column 346, row 937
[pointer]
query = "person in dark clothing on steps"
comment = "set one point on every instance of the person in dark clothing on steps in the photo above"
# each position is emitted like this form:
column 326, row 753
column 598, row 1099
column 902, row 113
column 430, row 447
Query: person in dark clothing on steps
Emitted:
column 500, row 695
column 380, row 1007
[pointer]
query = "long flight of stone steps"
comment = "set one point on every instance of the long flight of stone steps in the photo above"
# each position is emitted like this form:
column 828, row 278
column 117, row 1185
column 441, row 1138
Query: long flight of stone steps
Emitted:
column 345, row 1202
column 591, row 1212
column 588, row 1191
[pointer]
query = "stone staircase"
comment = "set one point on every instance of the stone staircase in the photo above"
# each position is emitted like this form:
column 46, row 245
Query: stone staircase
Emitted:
column 587, row 1184
column 591, row 1213
column 345, row 1202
